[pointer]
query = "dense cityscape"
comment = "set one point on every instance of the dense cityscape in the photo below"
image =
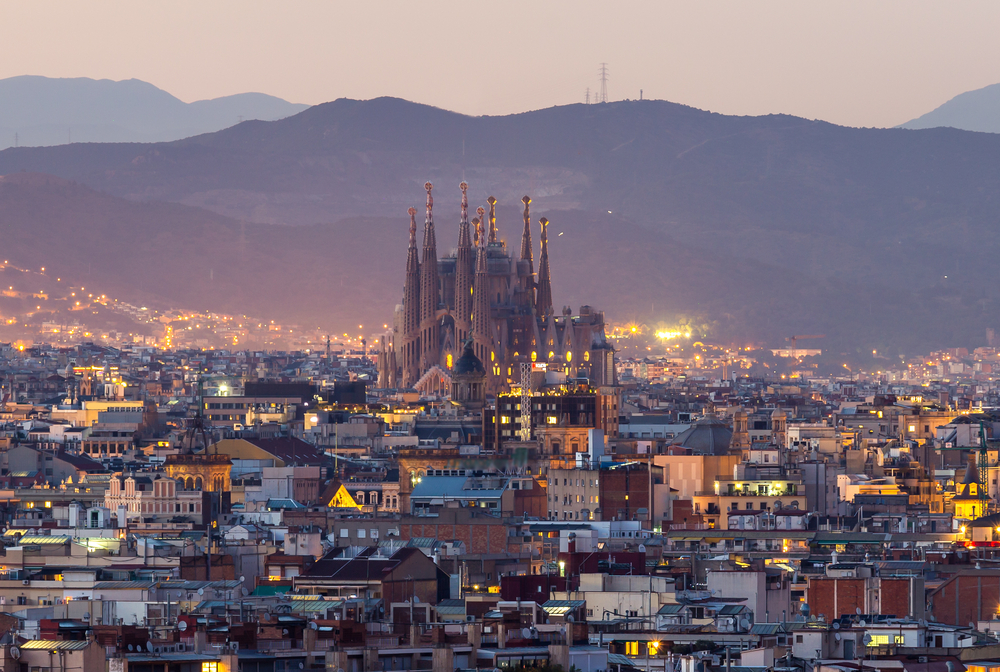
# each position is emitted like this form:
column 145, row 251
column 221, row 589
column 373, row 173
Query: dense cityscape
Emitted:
column 499, row 336
column 485, row 484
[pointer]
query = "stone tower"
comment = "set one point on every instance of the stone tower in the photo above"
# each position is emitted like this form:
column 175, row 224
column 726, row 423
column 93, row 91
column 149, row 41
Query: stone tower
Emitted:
column 468, row 380
column 464, row 273
column 410, row 346
column 430, row 292
column 543, row 298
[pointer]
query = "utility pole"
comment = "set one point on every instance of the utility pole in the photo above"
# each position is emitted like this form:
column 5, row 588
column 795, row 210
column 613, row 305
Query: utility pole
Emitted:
column 603, row 98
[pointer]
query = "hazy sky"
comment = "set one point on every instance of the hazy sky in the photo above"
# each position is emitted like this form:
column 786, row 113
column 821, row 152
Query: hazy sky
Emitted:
column 858, row 63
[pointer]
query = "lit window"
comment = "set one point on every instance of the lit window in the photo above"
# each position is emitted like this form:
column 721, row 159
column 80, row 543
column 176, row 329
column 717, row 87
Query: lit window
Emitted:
column 209, row 666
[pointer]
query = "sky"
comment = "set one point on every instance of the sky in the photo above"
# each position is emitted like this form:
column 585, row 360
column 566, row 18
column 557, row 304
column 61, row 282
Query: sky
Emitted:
column 853, row 63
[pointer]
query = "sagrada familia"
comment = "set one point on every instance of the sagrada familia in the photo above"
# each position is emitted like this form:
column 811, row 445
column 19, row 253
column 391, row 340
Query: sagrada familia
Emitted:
column 484, row 294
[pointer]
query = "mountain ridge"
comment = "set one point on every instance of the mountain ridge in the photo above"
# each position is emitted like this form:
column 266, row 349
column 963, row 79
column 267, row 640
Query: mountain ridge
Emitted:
column 977, row 110
column 43, row 111
column 905, row 215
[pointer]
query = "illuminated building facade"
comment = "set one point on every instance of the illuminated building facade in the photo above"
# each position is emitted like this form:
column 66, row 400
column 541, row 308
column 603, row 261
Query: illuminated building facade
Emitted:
column 492, row 296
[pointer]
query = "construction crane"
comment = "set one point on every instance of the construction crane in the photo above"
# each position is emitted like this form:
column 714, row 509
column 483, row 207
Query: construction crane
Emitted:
column 793, row 339
column 984, row 497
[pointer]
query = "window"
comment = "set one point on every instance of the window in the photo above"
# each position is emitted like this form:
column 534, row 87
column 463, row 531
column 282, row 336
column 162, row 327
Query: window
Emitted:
column 798, row 639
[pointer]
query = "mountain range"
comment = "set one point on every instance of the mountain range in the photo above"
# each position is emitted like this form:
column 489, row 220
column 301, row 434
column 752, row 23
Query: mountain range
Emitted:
column 756, row 227
column 41, row 111
column 977, row 110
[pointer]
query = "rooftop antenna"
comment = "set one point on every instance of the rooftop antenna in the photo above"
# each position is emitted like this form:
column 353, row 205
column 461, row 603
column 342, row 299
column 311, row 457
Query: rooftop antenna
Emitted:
column 603, row 98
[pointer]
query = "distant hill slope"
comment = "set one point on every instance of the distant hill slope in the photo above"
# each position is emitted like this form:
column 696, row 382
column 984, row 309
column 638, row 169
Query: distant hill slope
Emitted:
column 785, row 225
column 42, row 111
column 351, row 272
column 977, row 110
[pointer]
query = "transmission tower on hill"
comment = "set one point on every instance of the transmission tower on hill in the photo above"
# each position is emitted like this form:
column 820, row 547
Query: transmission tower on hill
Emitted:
column 603, row 98
column 587, row 97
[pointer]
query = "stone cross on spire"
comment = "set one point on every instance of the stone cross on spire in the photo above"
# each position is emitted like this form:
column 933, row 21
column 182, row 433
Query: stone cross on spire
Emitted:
column 464, row 186
column 480, row 225
column 493, row 219
column 430, row 202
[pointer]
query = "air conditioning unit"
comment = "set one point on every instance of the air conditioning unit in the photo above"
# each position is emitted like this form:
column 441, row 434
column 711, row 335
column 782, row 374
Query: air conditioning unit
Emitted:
column 180, row 648
column 469, row 618
column 235, row 646
column 26, row 582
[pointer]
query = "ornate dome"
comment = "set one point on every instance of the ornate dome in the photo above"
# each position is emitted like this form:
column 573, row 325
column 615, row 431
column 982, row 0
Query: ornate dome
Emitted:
column 708, row 435
column 468, row 362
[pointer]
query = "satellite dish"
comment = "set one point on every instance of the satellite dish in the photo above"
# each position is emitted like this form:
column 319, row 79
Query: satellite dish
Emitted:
column 182, row 626
column 87, row 616
column 862, row 624
column 868, row 639
column 836, row 625
column 242, row 579
column 857, row 610
column 569, row 618
column 301, row 666
column 525, row 633
column 313, row 626
column 284, row 632
column 149, row 646
column 744, row 623
column 245, row 592
column 15, row 652
column 201, row 591
column 642, row 548
column 837, row 636
column 416, row 599
column 129, row 647
column 972, row 625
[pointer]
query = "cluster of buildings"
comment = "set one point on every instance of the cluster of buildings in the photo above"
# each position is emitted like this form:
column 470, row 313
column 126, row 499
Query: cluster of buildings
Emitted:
column 490, row 489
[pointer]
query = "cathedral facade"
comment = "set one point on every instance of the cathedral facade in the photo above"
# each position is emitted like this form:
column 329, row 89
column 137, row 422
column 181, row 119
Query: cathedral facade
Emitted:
column 494, row 297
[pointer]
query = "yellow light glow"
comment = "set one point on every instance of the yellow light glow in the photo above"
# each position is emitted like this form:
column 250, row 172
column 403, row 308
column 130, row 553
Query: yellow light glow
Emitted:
column 669, row 335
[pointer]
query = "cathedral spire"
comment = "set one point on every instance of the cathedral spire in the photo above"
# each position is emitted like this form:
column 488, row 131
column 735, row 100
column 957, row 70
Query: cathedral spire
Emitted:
column 430, row 290
column 526, row 236
column 493, row 219
column 411, row 309
column 464, row 273
column 481, row 334
column 543, row 305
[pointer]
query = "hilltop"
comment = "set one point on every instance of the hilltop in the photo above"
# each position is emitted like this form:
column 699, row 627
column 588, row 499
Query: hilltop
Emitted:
column 773, row 225
column 42, row 111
